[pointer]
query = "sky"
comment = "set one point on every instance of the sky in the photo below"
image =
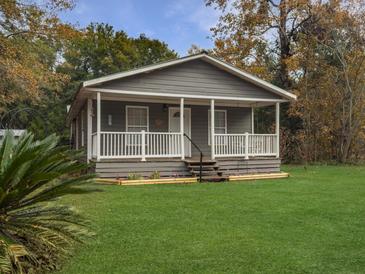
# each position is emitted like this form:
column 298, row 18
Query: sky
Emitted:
column 179, row 23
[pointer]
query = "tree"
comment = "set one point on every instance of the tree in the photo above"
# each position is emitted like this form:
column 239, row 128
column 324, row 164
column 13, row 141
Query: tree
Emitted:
column 260, row 36
column 36, row 235
column 100, row 50
column 30, row 36
column 150, row 51
column 194, row 49
column 314, row 48
column 331, row 89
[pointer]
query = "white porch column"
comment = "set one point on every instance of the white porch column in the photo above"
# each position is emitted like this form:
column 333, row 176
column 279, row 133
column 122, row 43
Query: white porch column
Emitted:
column 182, row 128
column 71, row 134
column 212, row 126
column 277, row 129
column 143, row 143
column 89, row 129
column 246, row 145
column 98, row 126
column 252, row 120
column 77, row 132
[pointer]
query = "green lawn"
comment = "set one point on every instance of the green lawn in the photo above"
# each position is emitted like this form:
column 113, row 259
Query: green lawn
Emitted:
column 313, row 222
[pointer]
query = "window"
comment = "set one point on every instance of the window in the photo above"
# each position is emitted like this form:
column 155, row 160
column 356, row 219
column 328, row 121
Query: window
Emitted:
column 136, row 118
column 220, row 122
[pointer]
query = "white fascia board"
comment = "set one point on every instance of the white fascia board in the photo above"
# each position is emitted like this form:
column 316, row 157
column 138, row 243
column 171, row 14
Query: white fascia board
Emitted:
column 187, row 96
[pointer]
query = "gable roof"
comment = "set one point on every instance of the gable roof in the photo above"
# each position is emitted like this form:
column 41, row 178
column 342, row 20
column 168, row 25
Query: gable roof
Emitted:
column 202, row 56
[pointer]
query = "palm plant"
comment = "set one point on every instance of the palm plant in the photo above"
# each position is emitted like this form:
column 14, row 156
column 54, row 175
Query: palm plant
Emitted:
column 36, row 233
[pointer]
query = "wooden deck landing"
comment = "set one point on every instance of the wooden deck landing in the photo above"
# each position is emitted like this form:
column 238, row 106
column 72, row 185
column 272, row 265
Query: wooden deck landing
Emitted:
column 190, row 180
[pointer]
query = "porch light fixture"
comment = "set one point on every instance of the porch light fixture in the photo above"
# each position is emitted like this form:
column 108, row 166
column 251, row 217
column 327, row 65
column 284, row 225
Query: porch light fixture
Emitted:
column 110, row 119
column 164, row 107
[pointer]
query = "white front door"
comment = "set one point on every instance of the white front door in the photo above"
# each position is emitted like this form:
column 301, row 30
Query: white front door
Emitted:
column 174, row 125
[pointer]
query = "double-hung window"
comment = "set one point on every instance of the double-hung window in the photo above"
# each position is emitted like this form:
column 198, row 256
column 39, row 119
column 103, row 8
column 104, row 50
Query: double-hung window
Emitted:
column 220, row 122
column 137, row 118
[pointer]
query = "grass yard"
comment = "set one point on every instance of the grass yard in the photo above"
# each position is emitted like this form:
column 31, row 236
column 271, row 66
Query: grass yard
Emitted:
column 313, row 222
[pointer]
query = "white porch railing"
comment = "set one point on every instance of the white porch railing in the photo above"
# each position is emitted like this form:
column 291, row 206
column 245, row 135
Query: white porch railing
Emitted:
column 234, row 145
column 262, row 145
column 163, row 144
column 123, row 145
column 114, row 145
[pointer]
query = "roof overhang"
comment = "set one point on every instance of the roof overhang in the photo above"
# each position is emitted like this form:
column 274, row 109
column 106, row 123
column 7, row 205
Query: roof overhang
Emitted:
column 212, row 60
column 92, row 85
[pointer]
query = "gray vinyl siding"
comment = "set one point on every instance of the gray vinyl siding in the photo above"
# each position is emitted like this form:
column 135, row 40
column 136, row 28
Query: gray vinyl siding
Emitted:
column 238, row 120
column 158, row 119
column 195, row 77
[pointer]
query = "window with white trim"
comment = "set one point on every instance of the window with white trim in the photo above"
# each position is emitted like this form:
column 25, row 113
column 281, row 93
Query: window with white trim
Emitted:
column 137, row 118
column 220, row 122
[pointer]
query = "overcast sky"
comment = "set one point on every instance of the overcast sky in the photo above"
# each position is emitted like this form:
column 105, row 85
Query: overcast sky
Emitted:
column 179, row 23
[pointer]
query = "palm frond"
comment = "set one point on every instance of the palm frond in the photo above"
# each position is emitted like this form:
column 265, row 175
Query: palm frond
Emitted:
column 34, row 233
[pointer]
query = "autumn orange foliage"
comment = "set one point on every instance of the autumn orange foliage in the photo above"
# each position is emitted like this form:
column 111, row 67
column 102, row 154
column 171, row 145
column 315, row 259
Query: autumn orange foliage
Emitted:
column 315, row 49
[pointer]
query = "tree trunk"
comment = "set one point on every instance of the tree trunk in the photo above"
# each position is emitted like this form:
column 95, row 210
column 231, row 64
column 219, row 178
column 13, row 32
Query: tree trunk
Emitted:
column 283, row 76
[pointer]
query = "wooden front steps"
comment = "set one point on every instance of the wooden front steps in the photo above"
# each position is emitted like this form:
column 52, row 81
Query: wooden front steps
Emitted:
column 210, row 170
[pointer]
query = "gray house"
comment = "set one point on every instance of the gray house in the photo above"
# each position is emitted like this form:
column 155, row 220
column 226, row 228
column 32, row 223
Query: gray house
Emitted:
column 131, row 122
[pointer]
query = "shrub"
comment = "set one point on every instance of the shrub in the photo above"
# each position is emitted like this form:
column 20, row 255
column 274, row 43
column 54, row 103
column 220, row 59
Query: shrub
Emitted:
column 36, row 234
column 155, row 175
column 134, row 176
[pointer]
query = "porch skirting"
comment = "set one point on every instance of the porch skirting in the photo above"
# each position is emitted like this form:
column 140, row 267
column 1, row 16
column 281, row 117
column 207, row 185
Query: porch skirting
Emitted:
column 123, row 168
column 252, row 166
column 177, row 167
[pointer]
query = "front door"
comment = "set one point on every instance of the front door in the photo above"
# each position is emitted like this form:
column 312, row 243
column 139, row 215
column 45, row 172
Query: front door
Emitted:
column 174, row 125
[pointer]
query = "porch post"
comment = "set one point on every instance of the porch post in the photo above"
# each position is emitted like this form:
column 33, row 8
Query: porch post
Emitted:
column 182, row 128
column 143, row 143
column 77, row 132
column 246, row 145
column 277, row 130
column 212, row 126
column 252, row 120
column 98, row 127
column 89, row 129
column 71, row 134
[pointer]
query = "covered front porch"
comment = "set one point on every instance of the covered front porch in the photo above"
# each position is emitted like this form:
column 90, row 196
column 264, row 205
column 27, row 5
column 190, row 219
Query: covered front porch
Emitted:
column 146, row 128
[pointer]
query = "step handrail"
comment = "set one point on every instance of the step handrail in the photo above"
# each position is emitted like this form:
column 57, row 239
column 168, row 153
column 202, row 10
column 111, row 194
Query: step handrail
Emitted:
column 201, row 156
